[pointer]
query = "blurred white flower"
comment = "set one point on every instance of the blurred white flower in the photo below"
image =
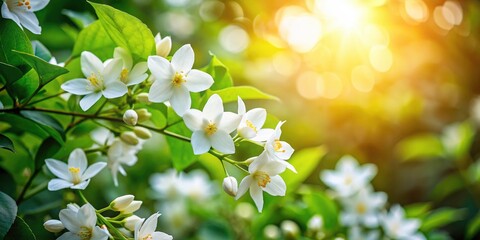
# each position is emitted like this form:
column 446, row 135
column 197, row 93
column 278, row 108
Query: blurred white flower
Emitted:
column 264, row 176
column 54, row 225
column 75, row 175
column 146, row 230
column 363, row 208
column 163, row 45
column 212, row 127
column 174, row 81
column 128, row 75
column 356, row 233
column 197, row 186
column 21, row 12
column 167, row 184
column 179, row 220
column 81, row 224
column 174, row 186
column 277, row 149
column 121, row 153
column 315, row 223
column 250, row 126
column 101, row 79
column 102, row 137
column 396, row 226
column 348, row 177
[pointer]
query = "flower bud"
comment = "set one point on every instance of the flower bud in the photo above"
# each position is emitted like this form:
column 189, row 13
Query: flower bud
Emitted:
column 143, row 114
column 142, row 132
column 230, row 186
column 132, row 207
column 129, row 137
column 143, row 98
column 290, row 229
column 130, row 222
column 130, row 117
column 163, row 45
column 271, row 232
column 120, row 203
column 315, row 223
column 53, row 226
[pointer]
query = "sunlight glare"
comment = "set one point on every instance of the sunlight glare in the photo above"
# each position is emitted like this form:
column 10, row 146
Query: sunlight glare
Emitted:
column 346, row 14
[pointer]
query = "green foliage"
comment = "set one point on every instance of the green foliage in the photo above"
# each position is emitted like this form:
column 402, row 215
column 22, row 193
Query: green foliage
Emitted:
column 6, row 143
column 441, row 217
column 473, row 226
column 417, row 210
column 20, row 230
column 12, row 38
column 181, row 151
column 126, row 31
column 231, row 94
column 23, row 88
column 49, row 148
column 420, row 147
column 214, row 230
column 8, row 211
column 95, row 39
column 47, row 122
column 304, row 162
column 81, row 19
column 41, row 51
column 321, row 204
column 219, row 72
column 46, row 71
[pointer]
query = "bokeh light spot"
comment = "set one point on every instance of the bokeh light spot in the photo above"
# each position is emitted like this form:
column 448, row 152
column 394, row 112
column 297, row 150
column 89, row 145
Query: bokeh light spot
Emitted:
column 234, row 39
column 310, row 85
column 381, row 58
column 300, row 29
column 363, row 78
column 417, row 10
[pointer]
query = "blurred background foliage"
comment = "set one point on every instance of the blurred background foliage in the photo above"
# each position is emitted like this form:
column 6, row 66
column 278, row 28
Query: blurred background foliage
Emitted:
column 393, row 83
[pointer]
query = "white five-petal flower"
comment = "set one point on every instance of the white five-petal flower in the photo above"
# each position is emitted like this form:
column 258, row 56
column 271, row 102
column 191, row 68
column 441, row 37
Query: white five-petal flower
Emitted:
column 264, row 176
column 348, row 177
column 21, row 12
column 81, row 224
column 75, row 175
column 121, row 153
column 250, row 126
column 130, row 75
column 176, row 79
column 277, row 149
column 101, row 79
column 363, row 208
column 145, row 230
column 212, row 127
column 396, row 226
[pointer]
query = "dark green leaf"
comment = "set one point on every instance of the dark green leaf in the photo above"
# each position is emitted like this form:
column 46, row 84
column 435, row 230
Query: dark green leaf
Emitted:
column 8, row 185
column 20, row 230
column 214, row 230
column 441, row 217
column 46, row 71
column 24, row 87
column 12, row 38
column 8, row 211
column 126, row 30
column 41, row 51
column 473, row 226
column 219, row 72
column 26, row 125
column 81, row 19
column 9, row 73
column 49, row 147
column 6, row 143
column 50, row 124
column 95, row 39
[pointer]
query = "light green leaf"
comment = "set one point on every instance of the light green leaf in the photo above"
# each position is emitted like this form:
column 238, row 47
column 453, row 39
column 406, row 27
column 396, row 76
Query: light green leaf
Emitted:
column 6, row 143
column 182, row 151
column 305, row 162
column 47, row 123
column 12, row 38
column 8, row 211
column 417, row 210
column 219, row 72
column 48, row 149
column 420, row 146
column 41, row 51
column 126, row 30
column 321, row 204
column 81, row 19
column 245, row 92
column 457, row 139
column 46, row 71
column 20, row 230
column 473, row 226
column 95, row 39
column 441, row 217
column 24, row 87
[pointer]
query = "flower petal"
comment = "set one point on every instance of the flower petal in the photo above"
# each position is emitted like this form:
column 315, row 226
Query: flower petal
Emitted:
column 197, row 81
column 229, row 121
column 244, row 185
column 160, row 91
column 69, row 236
column 257, row 195
column 87, row 215
column 257, row 116
column 78, row 159
column 91, row 64
column 29, row 21
column 213, row 109
column 6, row 13
column 93, row 170
column 263, row 135
column 161, row 236
column 112, row 71
column 57, row 184
column 149, row 226
column 114, row 89
column 276, row 186
column 99, row 234
column 160, row 68
column 77, row 86
column 58, row 168
column 38, row 5
column 125, row 56
column 182, row 60
column 70, row 220
column 200, row 143
column 180, row 100
column 89, row 99
column 193, row 119
column 81, row 185
column 241, row 106
column 138, row 74
column 222, row 142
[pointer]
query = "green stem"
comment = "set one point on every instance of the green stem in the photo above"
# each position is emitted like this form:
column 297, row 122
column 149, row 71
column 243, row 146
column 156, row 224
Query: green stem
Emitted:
column 45, row 98
column 103, row 209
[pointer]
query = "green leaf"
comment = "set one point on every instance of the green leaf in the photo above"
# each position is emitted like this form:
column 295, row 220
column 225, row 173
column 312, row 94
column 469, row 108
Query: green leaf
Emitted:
column 214, row 230
column 9, row 73
column 457, row 139
column 48, row 149
column 26, row 125
column 419, row 147
column 20, row 230
column 126, row 30
column 48, row 123
column 24, row 87
column 8, row 211
column 441, row 217
column 81, row 19
column 46, row 71
column 321, row 204
column 417, row 210
column 473, row 227
column 219, row 72
column 12, row 38
column 305, row 162
column 231, row 94
column 95, row 39
column 447, row 186
column 182, row 151
column 8, row 185
column 41, row 51
column 6, row 143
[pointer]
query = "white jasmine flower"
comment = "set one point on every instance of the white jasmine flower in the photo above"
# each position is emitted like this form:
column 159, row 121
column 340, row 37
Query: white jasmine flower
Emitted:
column 132, row 207
column 130, row 76
column 174, row 81
column 167, row 184
column 363, row 208
column 101, row 79
column 146, row 230
column 75, row 175
column 81, row 224
column 397, row 227
column 250, row 126
column 54, row 226
column 348, row 177
column 212, row 127
column 230, row 186
column 163, row 45
column 132, row 221
column 277, row 149
column 194, row 185
column 356, row 233
column 121, row 153
column 264, row 176
column 122, row 202
column 21, row 12
column 102, row 137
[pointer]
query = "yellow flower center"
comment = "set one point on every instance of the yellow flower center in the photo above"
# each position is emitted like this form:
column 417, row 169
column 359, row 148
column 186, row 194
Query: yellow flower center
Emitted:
column 148, row 237
column 25, row 3
column 124, row 75
column 211, row 129
column 75, row 174
column 85, row 233
column 348, row 180
column 277, row 146
column 262, row 178
column 178, row 79
column 95, row 82
column 250, row 125
column 361, row 208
